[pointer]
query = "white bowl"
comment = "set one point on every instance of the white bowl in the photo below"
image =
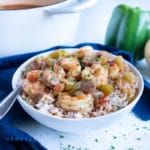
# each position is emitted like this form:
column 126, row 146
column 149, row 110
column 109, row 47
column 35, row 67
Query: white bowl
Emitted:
column 76, row 125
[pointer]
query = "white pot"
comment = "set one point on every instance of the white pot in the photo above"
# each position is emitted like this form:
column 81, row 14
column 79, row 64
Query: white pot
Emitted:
column 38, row 28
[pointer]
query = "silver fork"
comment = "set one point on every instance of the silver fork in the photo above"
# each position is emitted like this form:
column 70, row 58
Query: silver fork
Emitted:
column 8, row 101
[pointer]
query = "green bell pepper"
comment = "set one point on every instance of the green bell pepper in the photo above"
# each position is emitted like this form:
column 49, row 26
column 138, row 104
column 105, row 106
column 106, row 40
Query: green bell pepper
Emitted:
column 129, row 29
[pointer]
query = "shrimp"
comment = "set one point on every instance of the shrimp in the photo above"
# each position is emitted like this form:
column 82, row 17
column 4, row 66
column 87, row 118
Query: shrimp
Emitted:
column 34, row 75
column 80, row 102
column 87, row 73
column 33, row 89
column 59, row 70
column 113, row 71
column 71, row 65
column 42, row 63
column 100, row 74
column 85, row 52
column 107, row 55
column 50, row 78
column 97, row 73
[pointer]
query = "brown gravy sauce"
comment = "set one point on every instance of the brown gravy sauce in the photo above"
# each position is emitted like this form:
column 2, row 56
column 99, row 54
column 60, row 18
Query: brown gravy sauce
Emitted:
column 18, row 6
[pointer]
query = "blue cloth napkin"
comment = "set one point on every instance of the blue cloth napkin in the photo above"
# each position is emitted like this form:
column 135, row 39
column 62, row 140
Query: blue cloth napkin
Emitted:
column 15, row 139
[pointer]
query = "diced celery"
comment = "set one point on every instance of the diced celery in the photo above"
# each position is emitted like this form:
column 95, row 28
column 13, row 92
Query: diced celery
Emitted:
column 58, row 53
column 71, row 86
column 129, row 77
column 63, row 53
column 107, row 89
column 103, row 60
column 119, row 62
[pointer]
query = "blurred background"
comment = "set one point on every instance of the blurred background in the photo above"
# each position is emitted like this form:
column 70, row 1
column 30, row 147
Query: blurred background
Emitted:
column 94, row 21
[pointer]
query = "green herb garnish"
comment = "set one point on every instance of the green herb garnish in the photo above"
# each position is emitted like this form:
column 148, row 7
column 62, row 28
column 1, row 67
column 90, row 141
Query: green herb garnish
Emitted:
column 85, row 80
column 61, row 136
column 138, row 139
column 112, row 147
column 52, row 79
column 118, row 107
column 114, row 137
column 130, row 148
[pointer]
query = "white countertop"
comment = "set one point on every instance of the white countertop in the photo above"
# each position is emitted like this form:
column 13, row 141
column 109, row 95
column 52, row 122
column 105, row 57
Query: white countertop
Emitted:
column 129, row 134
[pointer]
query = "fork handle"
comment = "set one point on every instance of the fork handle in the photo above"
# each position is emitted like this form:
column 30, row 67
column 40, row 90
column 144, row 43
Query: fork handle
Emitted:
column 8, row 101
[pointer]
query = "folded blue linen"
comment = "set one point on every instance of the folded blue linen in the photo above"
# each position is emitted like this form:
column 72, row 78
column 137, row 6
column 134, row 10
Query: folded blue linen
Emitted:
column 12, row 138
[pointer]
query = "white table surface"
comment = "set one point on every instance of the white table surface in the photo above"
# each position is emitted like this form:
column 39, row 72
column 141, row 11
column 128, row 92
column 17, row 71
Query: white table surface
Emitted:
column 129, row 134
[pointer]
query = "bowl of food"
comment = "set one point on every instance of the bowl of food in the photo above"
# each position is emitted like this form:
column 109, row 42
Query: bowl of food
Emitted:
column 78, row 90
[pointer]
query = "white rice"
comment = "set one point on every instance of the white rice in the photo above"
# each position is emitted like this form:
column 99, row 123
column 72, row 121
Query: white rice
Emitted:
column 115, row 101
